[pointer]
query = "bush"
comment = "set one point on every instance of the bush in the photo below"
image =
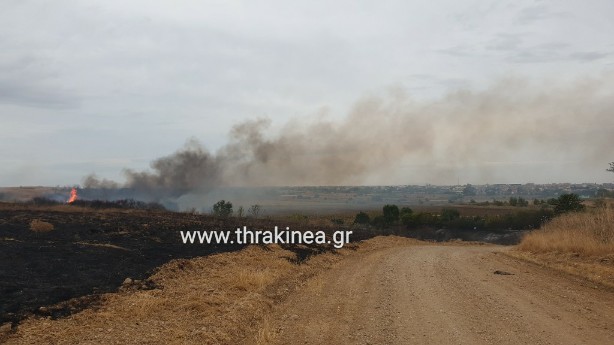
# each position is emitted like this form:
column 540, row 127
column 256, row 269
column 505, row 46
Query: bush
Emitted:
column 568, row 203
column 222, row 208
column 362, row 218
column 391, row 214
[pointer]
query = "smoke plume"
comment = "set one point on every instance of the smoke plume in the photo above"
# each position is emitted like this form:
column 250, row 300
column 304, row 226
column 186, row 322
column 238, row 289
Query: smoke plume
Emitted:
column 513, row 123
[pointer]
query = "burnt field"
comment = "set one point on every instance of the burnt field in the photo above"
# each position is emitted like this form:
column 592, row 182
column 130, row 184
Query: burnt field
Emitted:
column 90, row 252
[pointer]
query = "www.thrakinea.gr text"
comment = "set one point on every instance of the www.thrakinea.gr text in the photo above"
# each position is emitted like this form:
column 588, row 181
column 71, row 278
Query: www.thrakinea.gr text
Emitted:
column 276, row 236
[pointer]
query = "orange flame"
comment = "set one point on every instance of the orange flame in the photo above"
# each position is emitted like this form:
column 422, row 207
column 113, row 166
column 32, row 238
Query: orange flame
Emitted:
column 73, row 196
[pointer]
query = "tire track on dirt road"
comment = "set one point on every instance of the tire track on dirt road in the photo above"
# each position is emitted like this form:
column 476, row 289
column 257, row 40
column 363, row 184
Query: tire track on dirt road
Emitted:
column 448, row 294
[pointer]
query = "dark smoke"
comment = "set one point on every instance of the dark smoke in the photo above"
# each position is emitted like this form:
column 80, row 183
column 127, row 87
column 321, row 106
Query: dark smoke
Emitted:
column 513, row 121
column 191, row 169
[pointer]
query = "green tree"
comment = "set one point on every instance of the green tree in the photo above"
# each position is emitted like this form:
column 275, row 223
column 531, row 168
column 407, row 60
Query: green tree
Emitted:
column 362, row 218
column 222, row 208
column 391, row 214
column 568, row 203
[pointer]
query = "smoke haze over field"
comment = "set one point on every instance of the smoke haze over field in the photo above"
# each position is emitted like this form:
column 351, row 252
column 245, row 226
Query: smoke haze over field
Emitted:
column 512, row 121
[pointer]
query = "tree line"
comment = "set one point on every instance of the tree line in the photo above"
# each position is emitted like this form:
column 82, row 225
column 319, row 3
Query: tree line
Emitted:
column 451, row 218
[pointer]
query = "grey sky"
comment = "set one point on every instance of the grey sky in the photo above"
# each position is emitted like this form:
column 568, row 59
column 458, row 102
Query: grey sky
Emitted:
column 99, row 86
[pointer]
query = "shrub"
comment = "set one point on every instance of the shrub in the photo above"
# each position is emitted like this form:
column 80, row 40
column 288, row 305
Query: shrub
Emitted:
column 222, row 208
column 391, row 214
column 362, row 218
column 568, row 203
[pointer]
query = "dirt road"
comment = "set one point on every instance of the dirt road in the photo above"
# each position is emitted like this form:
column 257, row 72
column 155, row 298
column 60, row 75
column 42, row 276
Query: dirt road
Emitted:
column 445, row 295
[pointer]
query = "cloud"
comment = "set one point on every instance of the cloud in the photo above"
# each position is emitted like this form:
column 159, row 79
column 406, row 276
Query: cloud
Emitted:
column 589, row 56
column 505, row 42
column 535, row 13
column 26, row 81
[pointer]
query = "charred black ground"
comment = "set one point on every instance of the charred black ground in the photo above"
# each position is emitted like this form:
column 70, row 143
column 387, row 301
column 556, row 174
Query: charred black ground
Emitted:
column 92, row 251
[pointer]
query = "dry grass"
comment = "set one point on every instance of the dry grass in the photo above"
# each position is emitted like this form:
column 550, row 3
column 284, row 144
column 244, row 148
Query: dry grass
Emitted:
column 246, row 279
column 38, row 225
column 586, row 234
column 267, row 333
column 581, row 244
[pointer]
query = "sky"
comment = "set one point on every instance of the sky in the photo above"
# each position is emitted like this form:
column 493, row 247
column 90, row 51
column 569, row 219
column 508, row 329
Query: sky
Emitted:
column 102, row 86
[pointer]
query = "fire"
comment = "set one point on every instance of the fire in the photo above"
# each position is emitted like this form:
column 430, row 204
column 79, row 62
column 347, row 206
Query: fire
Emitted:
column 73, row 195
